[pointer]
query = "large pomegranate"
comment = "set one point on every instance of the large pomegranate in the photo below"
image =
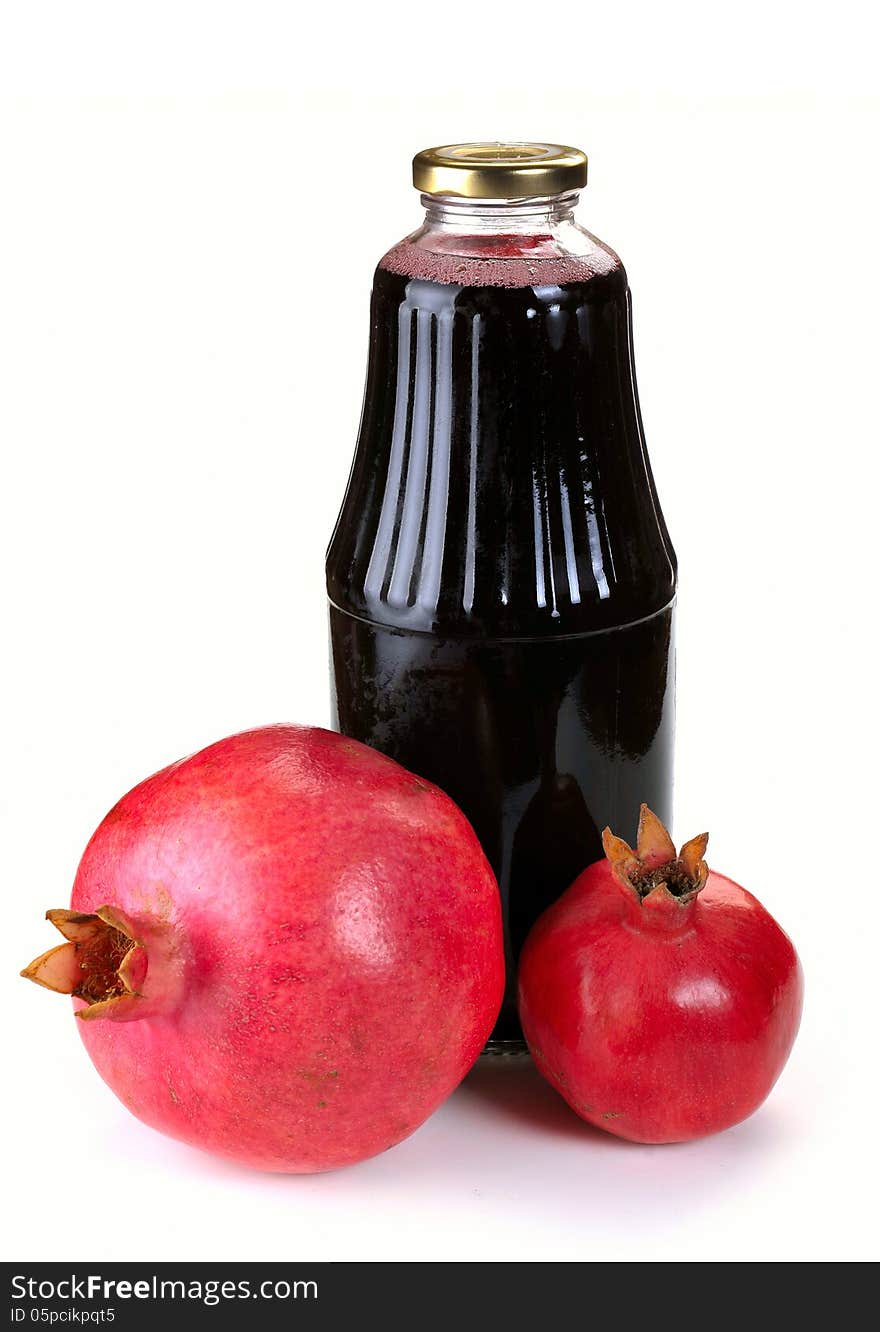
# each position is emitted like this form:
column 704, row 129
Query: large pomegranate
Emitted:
column 658, row 997
column 285, row 949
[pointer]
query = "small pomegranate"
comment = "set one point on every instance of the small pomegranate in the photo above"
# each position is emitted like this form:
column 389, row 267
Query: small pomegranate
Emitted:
column 659, row 998
column 285, row 949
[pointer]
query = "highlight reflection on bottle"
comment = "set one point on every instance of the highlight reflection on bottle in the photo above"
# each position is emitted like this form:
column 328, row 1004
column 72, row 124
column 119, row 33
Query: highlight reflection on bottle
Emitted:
column 501, row 580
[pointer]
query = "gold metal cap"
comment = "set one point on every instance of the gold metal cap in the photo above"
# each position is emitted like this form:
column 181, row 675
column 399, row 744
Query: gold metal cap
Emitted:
column 499, row 170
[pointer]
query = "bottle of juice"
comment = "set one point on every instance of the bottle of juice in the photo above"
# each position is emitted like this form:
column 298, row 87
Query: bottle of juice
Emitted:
column 501, row 580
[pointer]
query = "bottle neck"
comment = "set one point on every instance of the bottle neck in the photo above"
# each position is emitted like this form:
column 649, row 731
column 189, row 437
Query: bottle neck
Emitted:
column 526, row 217
column 539, row 228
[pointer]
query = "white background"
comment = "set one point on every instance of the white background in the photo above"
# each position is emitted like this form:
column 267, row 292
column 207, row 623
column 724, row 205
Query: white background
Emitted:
column 193, row 198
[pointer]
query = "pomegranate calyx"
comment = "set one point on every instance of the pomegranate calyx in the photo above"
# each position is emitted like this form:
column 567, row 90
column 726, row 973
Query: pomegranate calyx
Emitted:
column 654, row 870
column 101, row 963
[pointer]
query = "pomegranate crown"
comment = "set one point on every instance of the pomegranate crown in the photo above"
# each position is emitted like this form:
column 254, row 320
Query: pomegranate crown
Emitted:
column 120, row 969
column 101, row 962
column 654, row 871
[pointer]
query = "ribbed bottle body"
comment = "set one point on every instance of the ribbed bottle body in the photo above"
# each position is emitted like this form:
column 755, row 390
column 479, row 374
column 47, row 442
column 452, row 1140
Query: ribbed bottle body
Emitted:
column 500, row 578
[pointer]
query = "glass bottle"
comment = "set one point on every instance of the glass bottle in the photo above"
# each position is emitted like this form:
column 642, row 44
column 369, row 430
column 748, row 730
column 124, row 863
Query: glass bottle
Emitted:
column 501, row 580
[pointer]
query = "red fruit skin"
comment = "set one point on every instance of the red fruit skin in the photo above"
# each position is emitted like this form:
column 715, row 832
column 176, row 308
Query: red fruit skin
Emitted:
column 335, row 935
column 659, row 1023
